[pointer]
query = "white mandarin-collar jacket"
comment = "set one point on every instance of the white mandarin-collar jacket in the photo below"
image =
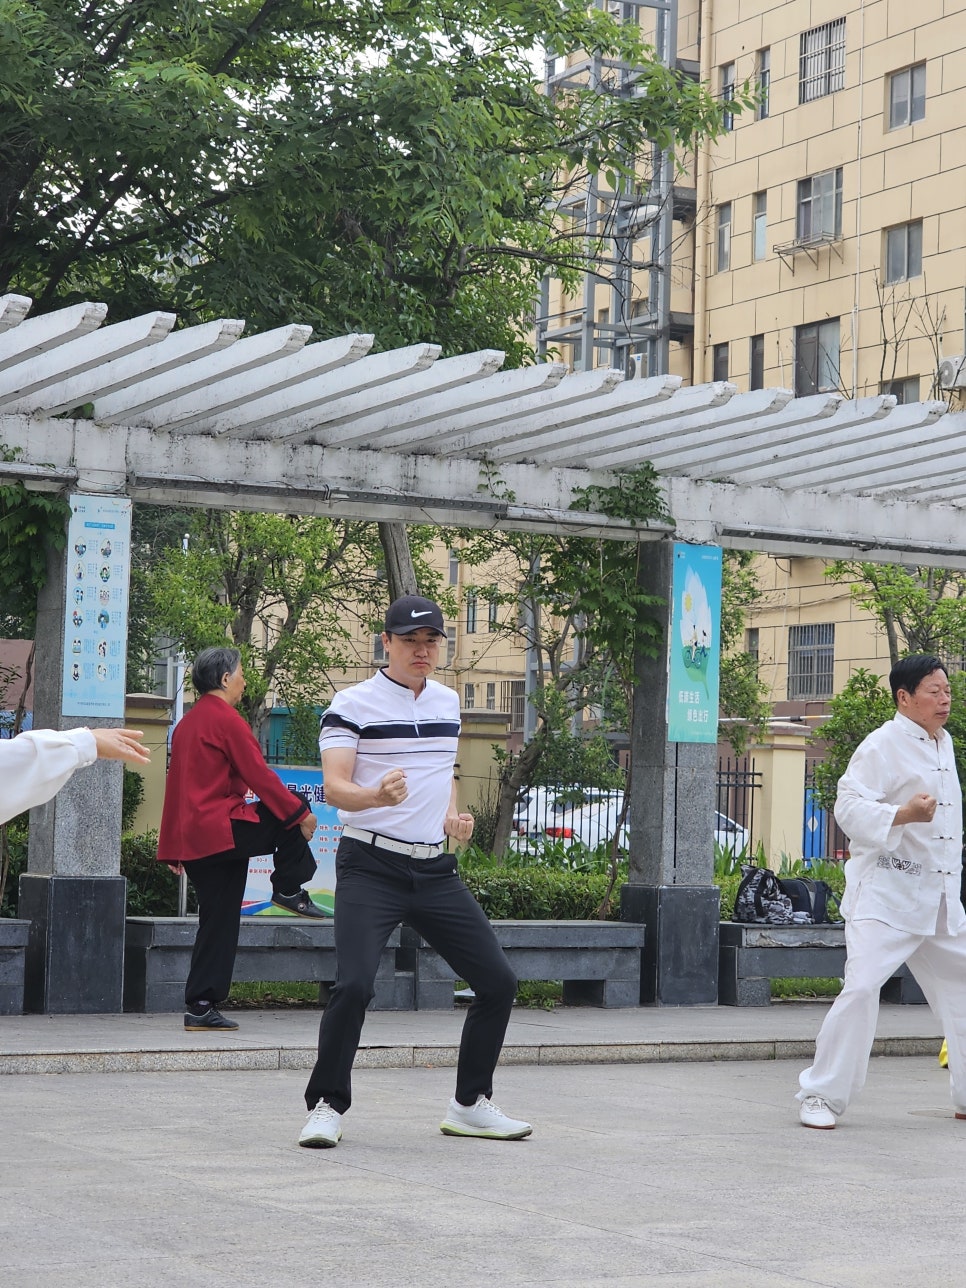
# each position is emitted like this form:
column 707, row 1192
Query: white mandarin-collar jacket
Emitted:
column 899, row 874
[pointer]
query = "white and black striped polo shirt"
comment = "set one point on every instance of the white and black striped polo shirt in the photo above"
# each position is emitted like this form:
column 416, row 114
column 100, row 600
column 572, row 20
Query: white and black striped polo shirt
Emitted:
column 389, row 727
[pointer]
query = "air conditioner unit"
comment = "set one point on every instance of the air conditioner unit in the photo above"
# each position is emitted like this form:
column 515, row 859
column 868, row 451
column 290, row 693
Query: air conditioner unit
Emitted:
column 952, row 372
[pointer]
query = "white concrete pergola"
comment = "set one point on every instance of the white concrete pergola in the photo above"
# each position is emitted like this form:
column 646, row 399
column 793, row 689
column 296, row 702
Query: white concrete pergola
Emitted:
column 208, row 416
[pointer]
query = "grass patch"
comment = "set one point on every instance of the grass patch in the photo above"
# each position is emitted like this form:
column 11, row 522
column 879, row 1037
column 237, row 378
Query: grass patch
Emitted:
column 272, row 994
column 807, row 989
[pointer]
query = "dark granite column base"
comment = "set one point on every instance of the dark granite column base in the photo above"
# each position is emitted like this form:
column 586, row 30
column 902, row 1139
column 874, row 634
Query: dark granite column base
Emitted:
column 75, row 953
column 680, row 957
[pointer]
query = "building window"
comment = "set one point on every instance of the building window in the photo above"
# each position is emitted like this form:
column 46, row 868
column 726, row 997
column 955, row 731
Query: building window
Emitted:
column 759, row 249
column 450, row 645
column 763, row 83
column 751, row 642
column 491, row 697
column 907, row 96
column 903, row 251
column 821, row 61
column 471, row 608
column 756, row 363
column 904, row 391
column 454, row 568
column 378, row 650
column 493, row 616
column 727, row 80
column 811, row 652
column 724, row 238
column 819, row 213
column 513, row 700
column 817, row 358
column 469, row 697
column 720, row 361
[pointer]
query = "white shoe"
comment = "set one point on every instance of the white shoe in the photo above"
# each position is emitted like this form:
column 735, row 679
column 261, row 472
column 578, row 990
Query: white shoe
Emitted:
column 482, row 1119
column 816, row 1113
column 322, row 1129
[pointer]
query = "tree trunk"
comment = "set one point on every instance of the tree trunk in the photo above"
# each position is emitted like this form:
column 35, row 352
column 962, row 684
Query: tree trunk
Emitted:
column 399, row 560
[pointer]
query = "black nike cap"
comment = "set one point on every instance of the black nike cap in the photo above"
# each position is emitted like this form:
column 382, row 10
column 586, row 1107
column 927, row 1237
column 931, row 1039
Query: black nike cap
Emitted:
column 412, row 612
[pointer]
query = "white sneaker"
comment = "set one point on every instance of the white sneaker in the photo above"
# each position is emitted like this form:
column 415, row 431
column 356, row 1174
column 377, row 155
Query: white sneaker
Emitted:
column 323, row 1128
column 482, row 1119
column 816, row 1113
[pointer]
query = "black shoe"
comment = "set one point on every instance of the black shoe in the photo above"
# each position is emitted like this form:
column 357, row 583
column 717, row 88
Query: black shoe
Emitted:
column 210, row 1021
column 299, row 903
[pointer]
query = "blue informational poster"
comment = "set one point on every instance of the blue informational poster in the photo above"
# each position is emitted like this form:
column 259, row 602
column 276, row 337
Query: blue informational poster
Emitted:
column 258, row 892
column 694, row 644
column 95, row 626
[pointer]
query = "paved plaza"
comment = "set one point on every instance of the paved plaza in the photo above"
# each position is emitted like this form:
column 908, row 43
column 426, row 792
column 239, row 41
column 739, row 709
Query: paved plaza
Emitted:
column 678, row 1169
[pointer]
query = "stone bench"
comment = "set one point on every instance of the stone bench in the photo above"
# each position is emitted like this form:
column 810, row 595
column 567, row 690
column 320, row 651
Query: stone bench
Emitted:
column 14, row 934
column 599, row 962
column 751, row 956
column 157, row 954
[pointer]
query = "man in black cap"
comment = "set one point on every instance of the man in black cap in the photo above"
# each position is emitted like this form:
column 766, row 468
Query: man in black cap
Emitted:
column 388, row 750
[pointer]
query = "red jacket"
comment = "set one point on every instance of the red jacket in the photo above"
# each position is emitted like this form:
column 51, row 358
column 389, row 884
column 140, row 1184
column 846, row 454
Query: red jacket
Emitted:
column 215, row 758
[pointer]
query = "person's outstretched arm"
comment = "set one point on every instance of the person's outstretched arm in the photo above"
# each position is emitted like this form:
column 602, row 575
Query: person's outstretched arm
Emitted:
column 35, row 765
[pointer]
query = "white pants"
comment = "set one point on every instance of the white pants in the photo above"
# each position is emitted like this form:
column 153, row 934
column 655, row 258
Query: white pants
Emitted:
column 874, row 952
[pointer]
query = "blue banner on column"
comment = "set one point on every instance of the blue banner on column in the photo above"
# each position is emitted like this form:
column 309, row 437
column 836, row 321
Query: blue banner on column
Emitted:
column 694, row 644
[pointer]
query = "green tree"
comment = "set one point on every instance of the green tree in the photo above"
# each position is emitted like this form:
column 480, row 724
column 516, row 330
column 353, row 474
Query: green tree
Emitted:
column 742, row 696
column 386, row 166
column 285, row 590
column 919, row 609
column 576, row 604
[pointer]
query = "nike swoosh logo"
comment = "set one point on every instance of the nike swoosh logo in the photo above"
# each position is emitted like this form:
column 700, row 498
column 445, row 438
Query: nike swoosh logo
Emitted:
column 427, row 613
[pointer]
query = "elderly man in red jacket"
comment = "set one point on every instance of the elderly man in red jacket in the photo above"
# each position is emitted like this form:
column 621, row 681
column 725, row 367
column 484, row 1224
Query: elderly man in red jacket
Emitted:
column 208, row 825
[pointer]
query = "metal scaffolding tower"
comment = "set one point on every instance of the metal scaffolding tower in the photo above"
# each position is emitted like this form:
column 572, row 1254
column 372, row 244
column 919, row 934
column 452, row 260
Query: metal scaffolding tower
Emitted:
column 628, row 231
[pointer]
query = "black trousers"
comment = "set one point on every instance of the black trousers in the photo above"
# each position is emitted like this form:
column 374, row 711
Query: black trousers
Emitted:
column 219, row 881
column 375, row 890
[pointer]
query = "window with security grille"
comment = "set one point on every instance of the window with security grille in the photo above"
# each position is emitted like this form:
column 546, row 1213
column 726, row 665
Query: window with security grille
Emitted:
column 471, row 612
column 821, row 61
column 819, row 210
column 469, row 697
column 811, row 655
column 903, row 251
column 720, row 361
column 378, row 650
column 491, row 697
column 513, row 700
column 907, row 96
column 450, row 645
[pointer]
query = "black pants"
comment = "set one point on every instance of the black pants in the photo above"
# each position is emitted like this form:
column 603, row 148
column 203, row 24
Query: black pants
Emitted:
column 375, row 890
column 219, row 881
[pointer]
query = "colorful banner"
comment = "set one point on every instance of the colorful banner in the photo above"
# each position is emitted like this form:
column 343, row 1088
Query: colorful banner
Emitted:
column 694, row 644
column 95, row 628
column 257, row 901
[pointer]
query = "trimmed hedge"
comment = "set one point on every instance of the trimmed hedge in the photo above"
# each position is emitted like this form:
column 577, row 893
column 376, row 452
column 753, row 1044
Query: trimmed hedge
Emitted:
column 538, row 894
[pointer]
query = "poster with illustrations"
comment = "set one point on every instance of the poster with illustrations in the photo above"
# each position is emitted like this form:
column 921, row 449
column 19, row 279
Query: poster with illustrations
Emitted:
column 694, row 644
column 95, row 627
column 257, row 901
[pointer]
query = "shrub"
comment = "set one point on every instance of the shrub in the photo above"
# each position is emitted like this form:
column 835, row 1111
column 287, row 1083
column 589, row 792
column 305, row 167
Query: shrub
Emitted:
column 152, row 888
column 535, row 893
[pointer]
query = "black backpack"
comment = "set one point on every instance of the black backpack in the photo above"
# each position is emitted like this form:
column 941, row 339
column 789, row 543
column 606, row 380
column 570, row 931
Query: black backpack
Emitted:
column 811, row 896
column 766, row 899
column 761, row 899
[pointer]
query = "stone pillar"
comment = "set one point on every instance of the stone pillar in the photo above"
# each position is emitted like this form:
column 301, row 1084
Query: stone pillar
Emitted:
column 672, row 804
column 72, row 892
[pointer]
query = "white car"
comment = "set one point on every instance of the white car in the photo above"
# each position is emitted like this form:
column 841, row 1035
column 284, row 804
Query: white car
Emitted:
column 542, row 817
